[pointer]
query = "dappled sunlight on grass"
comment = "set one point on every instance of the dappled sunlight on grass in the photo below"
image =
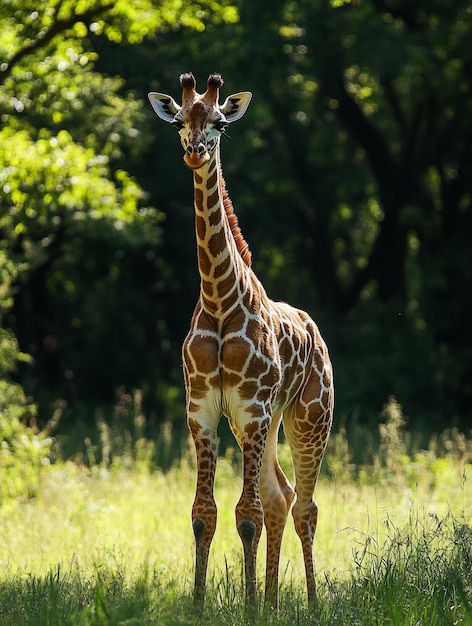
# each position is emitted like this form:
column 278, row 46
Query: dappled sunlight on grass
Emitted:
column 86, row 518
column 116, row 540
column 83, row 518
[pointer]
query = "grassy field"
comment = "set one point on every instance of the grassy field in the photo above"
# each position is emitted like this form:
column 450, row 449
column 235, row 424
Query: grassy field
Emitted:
column 113, row 544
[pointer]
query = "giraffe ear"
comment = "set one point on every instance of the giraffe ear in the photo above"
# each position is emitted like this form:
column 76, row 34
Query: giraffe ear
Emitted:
column 235, row 106
column 165, row 106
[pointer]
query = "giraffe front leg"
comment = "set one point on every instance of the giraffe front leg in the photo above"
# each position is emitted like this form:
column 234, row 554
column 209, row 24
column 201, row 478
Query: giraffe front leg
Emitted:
column 249, row 514
column 204, row 510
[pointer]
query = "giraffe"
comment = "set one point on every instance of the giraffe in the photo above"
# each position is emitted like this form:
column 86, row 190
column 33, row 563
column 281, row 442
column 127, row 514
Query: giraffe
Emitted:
column 255, row 361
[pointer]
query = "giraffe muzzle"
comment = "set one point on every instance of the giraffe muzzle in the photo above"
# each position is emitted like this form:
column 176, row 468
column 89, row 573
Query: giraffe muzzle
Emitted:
column 196, row 155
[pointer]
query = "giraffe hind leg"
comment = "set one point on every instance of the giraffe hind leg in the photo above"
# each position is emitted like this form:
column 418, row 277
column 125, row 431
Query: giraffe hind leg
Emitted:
column 276, row 496
column 307, row 431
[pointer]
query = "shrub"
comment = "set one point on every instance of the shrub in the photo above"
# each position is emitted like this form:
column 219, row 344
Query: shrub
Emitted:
column 22, row 451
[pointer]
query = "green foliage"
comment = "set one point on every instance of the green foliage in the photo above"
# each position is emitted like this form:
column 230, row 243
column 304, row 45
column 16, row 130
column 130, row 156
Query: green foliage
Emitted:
column 121, row 439
column 350, row 175
column 8, row 272
column 343, row 184
column 23, row 453
column 53, row 180
column 396, row 455
column 417, row 574
column 9, row 353
column 118, row 21
column 72, row 218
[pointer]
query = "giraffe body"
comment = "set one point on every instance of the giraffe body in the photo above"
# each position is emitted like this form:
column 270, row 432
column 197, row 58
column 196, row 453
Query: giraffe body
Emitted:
column 255, row 361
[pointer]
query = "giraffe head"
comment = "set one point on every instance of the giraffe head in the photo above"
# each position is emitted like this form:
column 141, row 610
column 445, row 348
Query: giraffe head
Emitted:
column 200, row 120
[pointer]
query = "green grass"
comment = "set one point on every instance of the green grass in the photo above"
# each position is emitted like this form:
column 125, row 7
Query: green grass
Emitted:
column 112, row 544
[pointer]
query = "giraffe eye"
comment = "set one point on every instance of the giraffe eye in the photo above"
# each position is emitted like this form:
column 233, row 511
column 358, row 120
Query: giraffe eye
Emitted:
column 220, row 125
column 177, row 124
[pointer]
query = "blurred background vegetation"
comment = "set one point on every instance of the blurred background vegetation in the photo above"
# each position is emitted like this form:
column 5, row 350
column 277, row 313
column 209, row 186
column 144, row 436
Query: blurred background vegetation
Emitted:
column 351, row 175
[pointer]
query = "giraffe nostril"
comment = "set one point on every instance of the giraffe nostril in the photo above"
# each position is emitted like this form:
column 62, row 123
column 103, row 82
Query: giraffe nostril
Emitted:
column 201, row 149
column 189, row 149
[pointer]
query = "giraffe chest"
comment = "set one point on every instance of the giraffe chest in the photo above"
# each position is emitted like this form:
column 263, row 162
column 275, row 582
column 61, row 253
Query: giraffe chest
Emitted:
column 256, row 367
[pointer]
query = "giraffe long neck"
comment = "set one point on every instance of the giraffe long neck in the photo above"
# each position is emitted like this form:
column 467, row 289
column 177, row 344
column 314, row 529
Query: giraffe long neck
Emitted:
column 223, row 254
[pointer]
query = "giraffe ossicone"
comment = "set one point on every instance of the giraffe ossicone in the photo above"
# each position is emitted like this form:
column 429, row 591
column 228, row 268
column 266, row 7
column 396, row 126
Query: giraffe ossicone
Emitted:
column 255, row 361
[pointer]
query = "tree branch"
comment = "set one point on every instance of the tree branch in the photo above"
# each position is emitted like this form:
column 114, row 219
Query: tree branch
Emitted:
column 44, row 37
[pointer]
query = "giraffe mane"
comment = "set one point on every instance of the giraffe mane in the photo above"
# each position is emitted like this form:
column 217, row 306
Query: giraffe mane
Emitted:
column 241, row 243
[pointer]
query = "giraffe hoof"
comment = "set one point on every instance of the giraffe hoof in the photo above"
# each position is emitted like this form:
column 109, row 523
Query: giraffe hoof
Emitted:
column 247, row 531
column 198, row 526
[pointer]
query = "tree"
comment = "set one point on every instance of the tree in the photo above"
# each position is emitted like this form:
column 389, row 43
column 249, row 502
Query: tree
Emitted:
column 350, row 174
column 72, row 218
column 396, row 77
